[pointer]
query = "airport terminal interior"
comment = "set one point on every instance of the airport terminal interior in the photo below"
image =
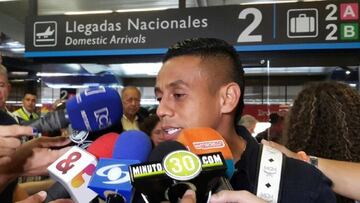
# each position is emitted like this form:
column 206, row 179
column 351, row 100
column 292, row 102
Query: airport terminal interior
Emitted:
column 273, row 77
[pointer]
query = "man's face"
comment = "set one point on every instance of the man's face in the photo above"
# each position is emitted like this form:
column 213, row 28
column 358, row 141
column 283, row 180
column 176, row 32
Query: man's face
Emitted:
column 131, row 102
column 4, row 90
column 29, row 102
column 184, row 96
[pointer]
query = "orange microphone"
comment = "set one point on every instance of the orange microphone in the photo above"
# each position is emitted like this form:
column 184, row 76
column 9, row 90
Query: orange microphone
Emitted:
column 207, row 140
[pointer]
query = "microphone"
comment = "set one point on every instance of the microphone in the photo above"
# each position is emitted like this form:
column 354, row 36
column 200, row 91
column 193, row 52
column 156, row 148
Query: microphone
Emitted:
column 152, row 172
column 111, row 178
column 92, row 110
column 104, row 145
column 101, row 147
column 73, row 170
column 207, row 140
column 173, row 170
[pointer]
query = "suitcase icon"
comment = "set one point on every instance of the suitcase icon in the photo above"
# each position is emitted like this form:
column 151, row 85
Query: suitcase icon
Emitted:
column 302, row 24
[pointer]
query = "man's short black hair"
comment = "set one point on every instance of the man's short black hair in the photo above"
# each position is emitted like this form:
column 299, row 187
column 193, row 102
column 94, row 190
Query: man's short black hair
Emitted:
column 212, row 47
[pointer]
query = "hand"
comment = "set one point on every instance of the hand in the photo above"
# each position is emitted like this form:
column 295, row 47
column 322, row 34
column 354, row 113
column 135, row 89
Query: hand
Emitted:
column 9, row 140
column 33, row 157
column 281, row 148
column 40, row 197
column 241, row 196
column 188, row 197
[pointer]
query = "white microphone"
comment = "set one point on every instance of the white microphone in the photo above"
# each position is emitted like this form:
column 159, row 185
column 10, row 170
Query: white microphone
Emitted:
column 74, row 170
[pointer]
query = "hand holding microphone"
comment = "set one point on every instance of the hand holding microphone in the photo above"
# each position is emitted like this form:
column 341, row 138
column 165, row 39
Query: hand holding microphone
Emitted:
column 92, row 110
column 9, row 140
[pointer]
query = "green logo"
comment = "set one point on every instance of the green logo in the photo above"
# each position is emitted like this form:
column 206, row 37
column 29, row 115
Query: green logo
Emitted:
column 182, row 165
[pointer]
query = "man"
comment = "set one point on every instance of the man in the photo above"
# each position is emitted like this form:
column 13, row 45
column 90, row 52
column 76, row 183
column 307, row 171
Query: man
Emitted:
column 275, row 131
column 27, row 111
column 201, row 84
column 131, row 104
column 5, row 88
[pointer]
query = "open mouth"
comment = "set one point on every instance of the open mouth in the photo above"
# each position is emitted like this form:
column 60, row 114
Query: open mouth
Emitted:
column 171, row 133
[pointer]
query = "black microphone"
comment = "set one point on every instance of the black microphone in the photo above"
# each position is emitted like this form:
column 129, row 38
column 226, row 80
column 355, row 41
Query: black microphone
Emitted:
column 56, row 191
column 173, row 170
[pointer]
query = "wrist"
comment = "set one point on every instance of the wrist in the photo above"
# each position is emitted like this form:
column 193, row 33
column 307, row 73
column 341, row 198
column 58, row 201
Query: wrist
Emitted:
column 313, row 160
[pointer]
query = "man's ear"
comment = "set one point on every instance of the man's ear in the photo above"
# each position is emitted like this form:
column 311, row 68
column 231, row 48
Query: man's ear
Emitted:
column 229, row 95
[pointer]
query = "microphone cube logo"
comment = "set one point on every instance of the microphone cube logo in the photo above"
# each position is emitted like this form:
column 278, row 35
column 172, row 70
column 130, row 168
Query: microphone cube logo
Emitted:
column 73, row 170
column 112, row 175
column 102, row 117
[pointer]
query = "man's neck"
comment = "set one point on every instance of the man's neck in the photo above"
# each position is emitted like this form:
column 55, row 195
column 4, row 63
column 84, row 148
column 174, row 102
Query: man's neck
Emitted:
column 26, row 111
column 236, row 143
column 130, row 117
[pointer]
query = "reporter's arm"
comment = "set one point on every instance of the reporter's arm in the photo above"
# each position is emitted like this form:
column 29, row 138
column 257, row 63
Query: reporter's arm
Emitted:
column 15, row 130
column 34, row 156
column 40, row 197
column 344, row 175
column 9, row 140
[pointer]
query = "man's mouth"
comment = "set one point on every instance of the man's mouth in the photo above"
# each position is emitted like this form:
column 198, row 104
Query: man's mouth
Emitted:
column 171, row 133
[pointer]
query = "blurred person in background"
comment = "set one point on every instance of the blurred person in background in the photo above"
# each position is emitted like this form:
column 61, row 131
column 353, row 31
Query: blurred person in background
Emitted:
column 152, row 127
column 27, row 111
column 249, row 122
column 274, row 133
column 130, row 97
column 324, row 121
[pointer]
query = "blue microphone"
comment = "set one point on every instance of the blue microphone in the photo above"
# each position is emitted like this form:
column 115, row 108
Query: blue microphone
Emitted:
column 92, row 110
column 112, row 175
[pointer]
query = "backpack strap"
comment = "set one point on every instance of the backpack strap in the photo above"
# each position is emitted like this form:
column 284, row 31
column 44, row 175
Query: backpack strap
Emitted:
column 270, row 165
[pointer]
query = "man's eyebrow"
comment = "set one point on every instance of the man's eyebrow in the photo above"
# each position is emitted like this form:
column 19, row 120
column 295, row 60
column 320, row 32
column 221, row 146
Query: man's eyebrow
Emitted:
column 174, row 84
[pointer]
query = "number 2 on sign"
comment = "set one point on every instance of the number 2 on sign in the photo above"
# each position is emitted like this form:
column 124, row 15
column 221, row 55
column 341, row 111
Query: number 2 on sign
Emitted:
column 246, row 36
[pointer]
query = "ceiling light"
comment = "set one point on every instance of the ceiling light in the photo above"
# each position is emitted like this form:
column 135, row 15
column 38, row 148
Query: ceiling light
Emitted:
column 347, row 72
column 141, row 9
column 19, row 73
column 53, row 74
column 87, row 12
column 150, row 69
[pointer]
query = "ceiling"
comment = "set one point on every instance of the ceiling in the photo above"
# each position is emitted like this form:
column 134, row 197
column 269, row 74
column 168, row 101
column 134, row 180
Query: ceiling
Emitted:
column 108, row 71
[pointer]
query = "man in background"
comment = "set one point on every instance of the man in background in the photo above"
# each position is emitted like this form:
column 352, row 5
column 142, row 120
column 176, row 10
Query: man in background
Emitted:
column 27, row 111
column 130, row 97
column 274, row 133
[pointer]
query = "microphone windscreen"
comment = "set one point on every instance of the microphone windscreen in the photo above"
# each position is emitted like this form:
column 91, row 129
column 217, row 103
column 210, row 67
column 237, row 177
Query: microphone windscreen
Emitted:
column 103, row 146
column 132, row 144
column 94, row 109
column 207, row 140
column 163, row 149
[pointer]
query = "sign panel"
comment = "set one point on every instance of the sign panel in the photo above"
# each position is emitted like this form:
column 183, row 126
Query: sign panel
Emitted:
column 285, row 26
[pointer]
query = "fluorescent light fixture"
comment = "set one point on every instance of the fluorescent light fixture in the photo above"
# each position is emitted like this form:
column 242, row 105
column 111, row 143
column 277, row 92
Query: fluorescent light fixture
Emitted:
column 87, row 12
column 17, row 49
column 287, row 70
column 7, row 0
column 58, row 86
column 53, row 74
column 352, row 85
column 149, row 102
column 19, row 73
column 132, row 69
column 141, row 9
column 273, row 1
